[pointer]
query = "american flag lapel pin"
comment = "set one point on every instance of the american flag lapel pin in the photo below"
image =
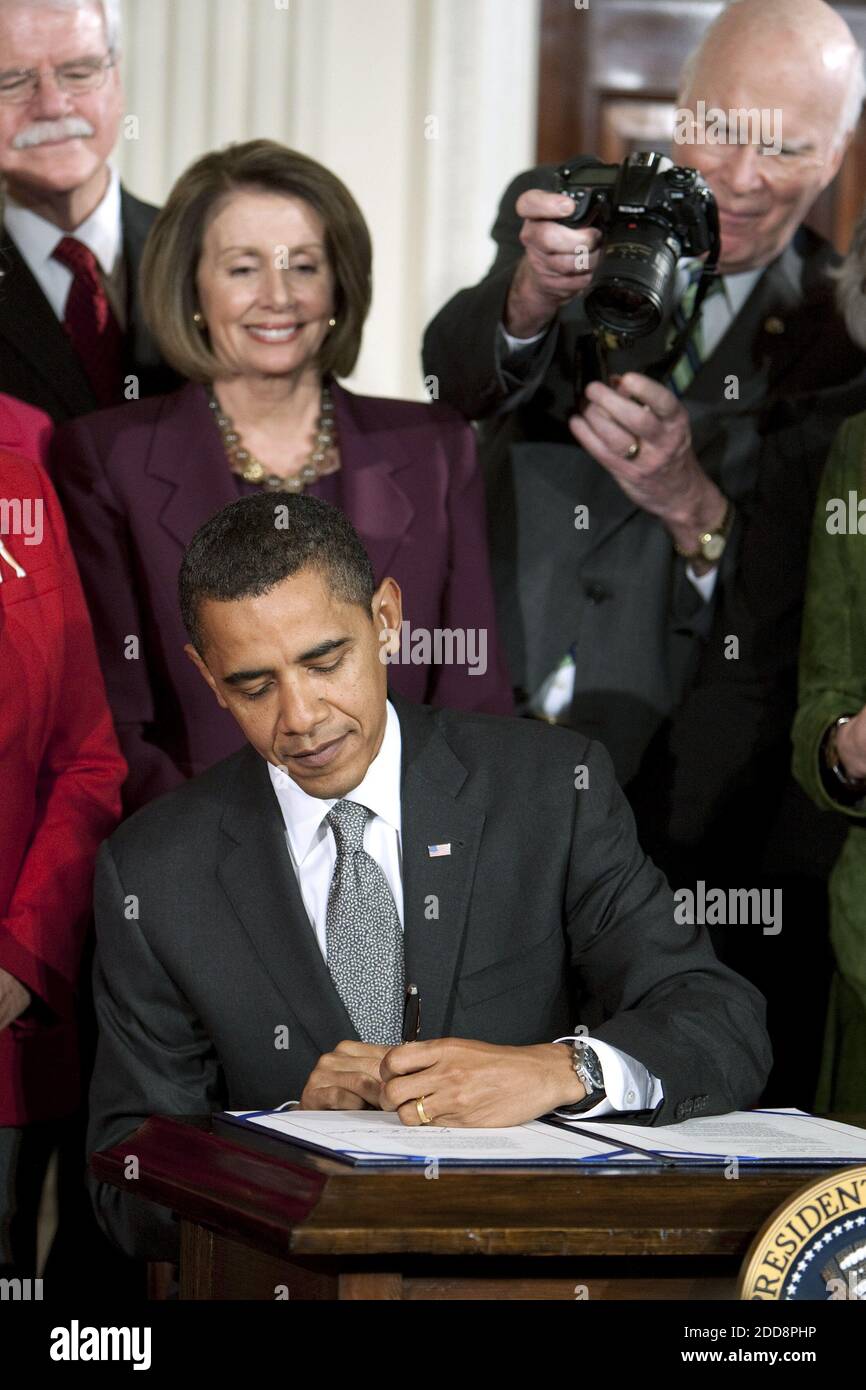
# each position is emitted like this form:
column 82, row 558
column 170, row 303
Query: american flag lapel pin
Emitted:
column 438, row 851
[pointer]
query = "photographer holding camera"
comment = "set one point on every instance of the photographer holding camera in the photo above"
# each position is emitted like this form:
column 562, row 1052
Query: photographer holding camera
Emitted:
column 615, row 504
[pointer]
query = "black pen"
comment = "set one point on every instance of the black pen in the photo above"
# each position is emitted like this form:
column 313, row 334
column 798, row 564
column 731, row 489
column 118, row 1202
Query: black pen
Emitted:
column 411, row 1014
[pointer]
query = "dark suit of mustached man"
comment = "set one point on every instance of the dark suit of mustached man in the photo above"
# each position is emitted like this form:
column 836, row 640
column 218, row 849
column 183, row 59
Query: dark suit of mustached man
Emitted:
column 358, row 844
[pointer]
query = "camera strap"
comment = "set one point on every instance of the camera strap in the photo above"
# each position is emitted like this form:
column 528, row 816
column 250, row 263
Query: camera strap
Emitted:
column 663, row 368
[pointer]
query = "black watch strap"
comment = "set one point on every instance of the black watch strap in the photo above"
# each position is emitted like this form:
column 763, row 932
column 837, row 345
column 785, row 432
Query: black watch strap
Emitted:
column 580, row 1105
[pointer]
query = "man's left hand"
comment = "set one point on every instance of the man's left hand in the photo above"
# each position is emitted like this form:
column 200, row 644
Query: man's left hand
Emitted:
column 664, row 476
column 476, row 1084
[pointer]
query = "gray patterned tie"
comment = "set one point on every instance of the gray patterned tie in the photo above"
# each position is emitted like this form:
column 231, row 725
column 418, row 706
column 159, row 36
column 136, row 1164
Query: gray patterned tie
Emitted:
column 365, row 939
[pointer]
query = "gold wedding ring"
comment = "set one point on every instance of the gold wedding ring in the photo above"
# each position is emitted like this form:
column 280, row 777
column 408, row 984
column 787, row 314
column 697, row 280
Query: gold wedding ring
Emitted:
column 422, row 1113
column 633, row 450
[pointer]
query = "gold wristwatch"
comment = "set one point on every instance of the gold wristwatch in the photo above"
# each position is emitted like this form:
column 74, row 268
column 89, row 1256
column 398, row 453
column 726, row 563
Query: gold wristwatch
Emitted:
column 711, row 544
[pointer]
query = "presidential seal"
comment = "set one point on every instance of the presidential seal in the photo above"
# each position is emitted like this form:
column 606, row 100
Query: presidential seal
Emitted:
column 813, row 1248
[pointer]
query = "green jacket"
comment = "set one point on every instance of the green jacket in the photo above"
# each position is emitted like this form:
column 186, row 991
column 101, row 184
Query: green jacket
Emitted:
column 833, row 682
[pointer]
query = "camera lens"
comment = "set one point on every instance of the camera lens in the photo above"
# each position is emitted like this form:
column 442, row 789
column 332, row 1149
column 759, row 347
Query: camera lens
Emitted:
column 633, row 289
column 620, row 304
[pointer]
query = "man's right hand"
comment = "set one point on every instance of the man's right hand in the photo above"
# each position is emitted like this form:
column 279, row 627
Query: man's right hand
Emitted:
column 558, row 263
column 346, row 1079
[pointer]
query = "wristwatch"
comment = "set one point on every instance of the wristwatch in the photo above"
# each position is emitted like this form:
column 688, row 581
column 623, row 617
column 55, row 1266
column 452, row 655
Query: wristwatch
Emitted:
column 711, row 544
column 588, row 1070
column 840, row 785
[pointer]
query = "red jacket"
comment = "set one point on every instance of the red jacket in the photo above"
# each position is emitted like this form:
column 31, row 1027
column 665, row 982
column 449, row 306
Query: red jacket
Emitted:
column 23, row 430
column 61, row 778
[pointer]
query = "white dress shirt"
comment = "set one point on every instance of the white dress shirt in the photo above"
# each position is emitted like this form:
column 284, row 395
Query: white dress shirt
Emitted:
column 555, row 694
column 310, row 839
column 313, row 853
column 38, row 239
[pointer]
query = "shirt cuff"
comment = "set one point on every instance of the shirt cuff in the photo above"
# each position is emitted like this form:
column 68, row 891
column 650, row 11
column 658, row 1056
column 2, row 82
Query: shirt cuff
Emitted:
column 628, row 1084
column 520, row 344
column 704, row 583
column 555, row 695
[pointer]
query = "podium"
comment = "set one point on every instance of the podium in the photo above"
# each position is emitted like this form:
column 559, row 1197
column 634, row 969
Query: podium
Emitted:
column 263, row 1219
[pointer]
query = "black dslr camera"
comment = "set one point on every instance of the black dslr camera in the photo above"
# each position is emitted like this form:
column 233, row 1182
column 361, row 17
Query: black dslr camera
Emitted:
column 651, row 213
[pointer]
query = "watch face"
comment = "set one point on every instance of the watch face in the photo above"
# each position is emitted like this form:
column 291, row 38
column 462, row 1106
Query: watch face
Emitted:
column 713, row 549
column 592, row 1066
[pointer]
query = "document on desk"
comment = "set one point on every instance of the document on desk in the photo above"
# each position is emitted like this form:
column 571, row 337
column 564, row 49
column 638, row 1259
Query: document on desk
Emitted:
column 373, row 1137
column 783, row 1138
column 773, row 1137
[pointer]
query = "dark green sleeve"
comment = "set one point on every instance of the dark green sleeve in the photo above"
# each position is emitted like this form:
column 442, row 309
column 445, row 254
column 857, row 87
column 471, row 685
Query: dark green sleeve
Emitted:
column 832, row 648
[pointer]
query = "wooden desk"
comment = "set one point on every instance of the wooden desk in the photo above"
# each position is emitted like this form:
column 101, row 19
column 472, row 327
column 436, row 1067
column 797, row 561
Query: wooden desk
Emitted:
column 256, row 1226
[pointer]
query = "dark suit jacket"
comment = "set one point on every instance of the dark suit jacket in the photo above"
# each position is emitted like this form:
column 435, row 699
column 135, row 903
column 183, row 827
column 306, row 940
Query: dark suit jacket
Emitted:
column 37, row 362
column 617, row 590
column 714, row 796
column 189, row 993
column 136, row 484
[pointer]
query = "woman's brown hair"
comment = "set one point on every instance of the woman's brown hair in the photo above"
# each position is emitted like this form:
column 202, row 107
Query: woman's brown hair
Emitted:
column 173, row 250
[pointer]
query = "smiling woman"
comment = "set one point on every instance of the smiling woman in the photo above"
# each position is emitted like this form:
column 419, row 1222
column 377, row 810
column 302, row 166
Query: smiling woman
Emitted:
column 256, row 283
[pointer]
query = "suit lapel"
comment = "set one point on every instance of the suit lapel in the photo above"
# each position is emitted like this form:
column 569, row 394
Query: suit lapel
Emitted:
column 190, row 458
column 258, row 879
column 437, row 890
column 769, row 335
column 136, row 220
column 186, row 452
column 373, row 493
column 32, row 331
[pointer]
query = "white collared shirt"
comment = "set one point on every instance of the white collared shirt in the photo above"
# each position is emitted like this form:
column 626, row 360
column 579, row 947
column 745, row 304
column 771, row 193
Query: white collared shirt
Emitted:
column 313, row 854
column 37, row 239
column 719, row 310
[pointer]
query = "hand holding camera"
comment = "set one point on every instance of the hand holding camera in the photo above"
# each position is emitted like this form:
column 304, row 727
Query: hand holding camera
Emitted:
column 616, row 233
column 652, row 214
column 559, row 262
column 640, row 433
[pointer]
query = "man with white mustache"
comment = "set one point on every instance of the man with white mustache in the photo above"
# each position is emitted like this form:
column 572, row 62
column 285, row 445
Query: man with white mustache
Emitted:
column 73, row 236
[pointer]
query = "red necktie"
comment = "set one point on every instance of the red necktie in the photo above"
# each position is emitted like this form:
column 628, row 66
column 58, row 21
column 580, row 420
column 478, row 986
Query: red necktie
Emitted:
column 93, row 330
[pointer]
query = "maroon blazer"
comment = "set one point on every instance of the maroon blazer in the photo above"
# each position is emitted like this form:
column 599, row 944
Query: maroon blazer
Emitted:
column 136, row 483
